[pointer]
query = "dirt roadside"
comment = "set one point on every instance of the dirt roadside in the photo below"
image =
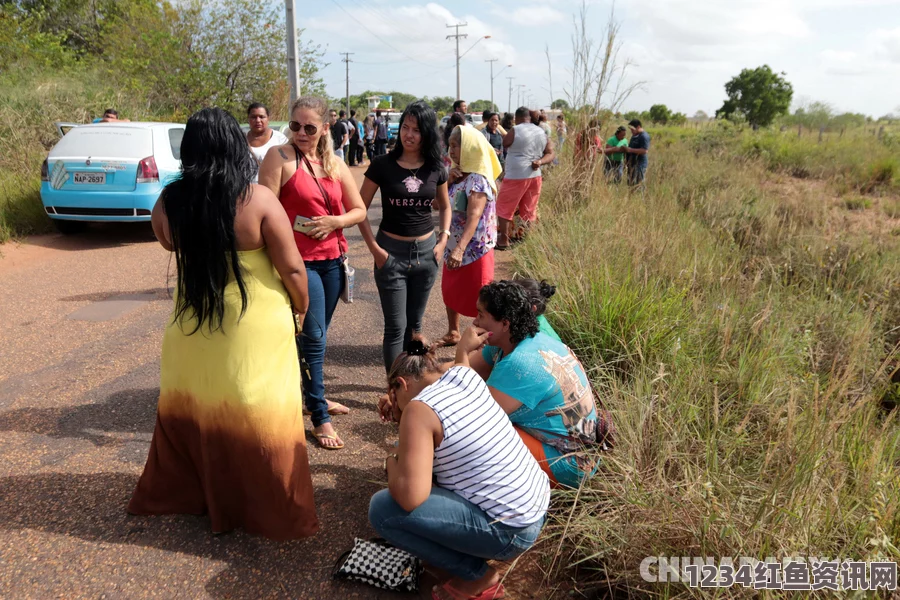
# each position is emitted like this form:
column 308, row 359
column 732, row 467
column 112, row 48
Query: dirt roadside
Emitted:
column 79, row 369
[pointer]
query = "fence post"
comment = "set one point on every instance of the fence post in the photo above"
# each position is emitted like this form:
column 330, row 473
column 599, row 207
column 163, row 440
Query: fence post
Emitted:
column 799, row 130
column 842, row 134
column 821, row 131
column 880, row 132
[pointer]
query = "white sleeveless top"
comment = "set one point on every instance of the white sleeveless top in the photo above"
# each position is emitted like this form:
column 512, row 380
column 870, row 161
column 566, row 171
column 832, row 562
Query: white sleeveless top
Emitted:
column 481, row 457
column 527, row 147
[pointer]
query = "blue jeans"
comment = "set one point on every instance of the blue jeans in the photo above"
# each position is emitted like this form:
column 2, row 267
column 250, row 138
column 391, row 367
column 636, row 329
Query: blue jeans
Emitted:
column 404, row 284
column 339, row 153
column 449, row 532
column 380, row 147
column 325, row 281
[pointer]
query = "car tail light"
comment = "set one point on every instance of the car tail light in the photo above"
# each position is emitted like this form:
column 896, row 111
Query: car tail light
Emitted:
column 147, row 171
column 45, row 171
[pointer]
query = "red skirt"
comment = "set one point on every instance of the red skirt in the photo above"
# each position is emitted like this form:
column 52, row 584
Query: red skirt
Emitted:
column 460, row 286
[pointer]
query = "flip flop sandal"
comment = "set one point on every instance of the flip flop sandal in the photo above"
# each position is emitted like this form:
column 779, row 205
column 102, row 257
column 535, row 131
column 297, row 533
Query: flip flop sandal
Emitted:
column 323, row 436
column 495, row 592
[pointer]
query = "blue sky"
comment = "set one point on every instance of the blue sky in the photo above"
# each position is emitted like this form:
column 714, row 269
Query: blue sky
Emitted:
column 844, row 52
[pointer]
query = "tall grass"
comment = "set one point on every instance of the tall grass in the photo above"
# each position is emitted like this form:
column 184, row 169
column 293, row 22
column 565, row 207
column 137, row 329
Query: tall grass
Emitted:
column 744, row 343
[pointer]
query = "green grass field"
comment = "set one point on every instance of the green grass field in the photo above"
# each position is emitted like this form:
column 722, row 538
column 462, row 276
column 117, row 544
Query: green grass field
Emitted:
column 742, row 325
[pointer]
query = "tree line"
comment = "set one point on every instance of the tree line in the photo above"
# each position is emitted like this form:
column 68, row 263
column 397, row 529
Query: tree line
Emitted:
column 175, row 56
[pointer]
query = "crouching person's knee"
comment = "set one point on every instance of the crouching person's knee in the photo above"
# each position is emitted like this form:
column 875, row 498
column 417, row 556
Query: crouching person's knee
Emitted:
column 381, row 508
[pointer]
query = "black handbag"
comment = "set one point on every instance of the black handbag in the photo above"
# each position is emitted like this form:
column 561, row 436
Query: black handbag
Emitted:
column 379, row 564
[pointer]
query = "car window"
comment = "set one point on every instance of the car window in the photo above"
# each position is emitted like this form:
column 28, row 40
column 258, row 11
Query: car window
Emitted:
column 107, row 141
column 175, row 136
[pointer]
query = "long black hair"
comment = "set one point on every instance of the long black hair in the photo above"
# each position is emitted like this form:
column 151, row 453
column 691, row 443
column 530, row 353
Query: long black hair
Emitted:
column 456, row 120
column 508, row 301
column 426, row 120
column 201, row 203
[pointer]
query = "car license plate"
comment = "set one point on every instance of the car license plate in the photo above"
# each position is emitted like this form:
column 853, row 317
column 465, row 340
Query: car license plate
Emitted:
column 89, row 178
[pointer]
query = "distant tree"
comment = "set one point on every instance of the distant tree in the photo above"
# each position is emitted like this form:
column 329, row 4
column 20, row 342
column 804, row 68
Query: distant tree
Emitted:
column 850, row 120
column 701, row 115
column 678, row 118
column 660, row 113
column 631, row 115
column 479, row 106
column 441, row 104
column 759, row 95
column 559, row 104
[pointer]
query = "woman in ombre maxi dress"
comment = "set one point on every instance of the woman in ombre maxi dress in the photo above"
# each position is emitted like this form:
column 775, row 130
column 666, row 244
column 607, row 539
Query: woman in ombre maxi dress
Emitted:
column 229, row 439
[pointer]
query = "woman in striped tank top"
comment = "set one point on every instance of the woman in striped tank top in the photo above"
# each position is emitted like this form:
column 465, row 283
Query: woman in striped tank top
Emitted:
column 491, row 496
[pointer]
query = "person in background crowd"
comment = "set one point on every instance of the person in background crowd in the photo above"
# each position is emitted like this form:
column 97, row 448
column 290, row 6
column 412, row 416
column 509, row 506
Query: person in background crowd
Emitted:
column 456, row 119
column 229, row 439
column 562, row 131
column 461, row 107
column 494, row 134
column 321, row 199
column 338, row 132
column 462, row 486
column 469, row 258
column 345, row 148
column 529, row 150
column 544, row 125
column 486, row 117
column 361, row 142
column 615, row 157
column 369, row 129
column 381, row 134
column 588, row 143
column 353, row 135
column 538, row 382
column 110, row 115
column 507, row 123
column 539, row 292
column 406, row 251
column 636, row 153
column 261, row 137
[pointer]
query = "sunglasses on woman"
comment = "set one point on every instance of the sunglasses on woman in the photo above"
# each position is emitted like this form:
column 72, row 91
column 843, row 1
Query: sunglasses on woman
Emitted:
column 308, row 129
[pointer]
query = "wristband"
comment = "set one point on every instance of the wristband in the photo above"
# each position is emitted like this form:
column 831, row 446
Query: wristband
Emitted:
column 444, row 232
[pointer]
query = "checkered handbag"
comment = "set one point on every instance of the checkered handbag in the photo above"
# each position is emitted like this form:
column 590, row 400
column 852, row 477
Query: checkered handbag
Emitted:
column 379, row 564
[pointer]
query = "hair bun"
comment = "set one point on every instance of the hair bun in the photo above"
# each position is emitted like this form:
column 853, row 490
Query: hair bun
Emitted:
column 547, row 289
column 416, row 347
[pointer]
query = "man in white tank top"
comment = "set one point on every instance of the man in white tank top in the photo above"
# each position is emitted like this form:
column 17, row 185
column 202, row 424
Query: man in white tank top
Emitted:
column 529, row 149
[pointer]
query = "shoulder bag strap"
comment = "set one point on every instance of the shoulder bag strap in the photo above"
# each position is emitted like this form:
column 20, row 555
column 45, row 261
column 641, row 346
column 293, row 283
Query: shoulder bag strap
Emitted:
column 325, row 196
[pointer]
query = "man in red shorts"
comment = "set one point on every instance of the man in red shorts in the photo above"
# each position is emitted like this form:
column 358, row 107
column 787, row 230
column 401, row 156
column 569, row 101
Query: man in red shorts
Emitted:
column 529, row 149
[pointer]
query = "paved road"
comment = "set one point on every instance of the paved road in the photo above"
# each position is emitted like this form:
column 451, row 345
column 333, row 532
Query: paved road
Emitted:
column 80, row 337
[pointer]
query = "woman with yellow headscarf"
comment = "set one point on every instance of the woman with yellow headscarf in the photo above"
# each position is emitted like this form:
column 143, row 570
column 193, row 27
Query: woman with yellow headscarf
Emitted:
column 469, row 256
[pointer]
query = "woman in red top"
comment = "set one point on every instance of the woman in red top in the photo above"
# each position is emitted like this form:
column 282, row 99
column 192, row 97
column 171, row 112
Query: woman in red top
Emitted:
column 321, row 199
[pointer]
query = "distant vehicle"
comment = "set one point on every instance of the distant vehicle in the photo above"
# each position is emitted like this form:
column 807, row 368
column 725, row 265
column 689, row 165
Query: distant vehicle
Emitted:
column 108, row 172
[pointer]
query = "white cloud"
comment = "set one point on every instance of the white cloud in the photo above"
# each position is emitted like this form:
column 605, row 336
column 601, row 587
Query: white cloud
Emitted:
column 532, row 16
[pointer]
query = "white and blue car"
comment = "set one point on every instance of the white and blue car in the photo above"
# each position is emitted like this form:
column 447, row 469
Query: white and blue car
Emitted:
column 109, row 172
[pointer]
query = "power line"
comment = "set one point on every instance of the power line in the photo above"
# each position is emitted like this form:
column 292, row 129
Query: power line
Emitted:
column 378, row 37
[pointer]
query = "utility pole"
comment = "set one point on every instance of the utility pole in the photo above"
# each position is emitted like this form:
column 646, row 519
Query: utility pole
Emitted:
column 456, row 36
column 509, row 100
column 347, row 60
column 492, row 61
column 519, row 96
column 293, row 67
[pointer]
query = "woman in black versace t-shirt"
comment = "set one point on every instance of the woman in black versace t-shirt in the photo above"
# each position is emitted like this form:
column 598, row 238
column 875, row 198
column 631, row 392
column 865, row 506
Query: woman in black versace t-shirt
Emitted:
column 407, row 253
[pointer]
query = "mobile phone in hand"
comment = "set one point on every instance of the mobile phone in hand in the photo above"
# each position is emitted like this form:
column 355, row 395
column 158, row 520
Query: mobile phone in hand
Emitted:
column 302, row 224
